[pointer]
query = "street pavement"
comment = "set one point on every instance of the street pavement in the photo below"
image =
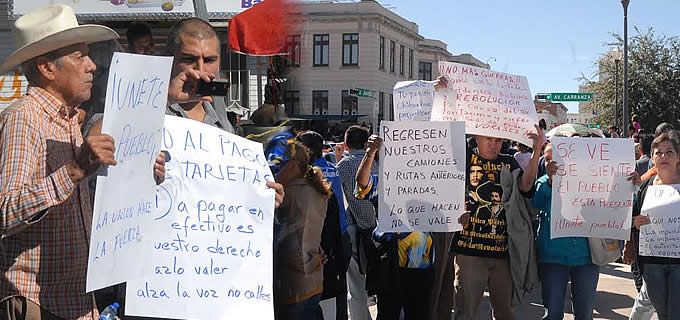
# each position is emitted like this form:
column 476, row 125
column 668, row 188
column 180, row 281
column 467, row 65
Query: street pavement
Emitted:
column 615, row 296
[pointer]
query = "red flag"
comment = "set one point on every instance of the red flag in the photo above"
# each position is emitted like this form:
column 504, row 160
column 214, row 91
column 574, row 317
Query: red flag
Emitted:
column 261, row 30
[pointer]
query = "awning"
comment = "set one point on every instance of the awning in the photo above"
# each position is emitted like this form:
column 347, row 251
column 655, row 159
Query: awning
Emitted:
column 329, row 117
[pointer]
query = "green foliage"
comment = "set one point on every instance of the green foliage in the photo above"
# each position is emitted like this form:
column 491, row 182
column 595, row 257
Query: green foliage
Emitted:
column 653, row 77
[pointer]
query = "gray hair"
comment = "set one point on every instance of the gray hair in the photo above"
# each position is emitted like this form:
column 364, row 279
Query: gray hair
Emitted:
column 30, row 67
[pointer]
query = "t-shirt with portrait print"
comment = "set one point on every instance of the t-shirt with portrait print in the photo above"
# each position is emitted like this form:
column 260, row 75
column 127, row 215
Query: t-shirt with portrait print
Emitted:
column 486, row 235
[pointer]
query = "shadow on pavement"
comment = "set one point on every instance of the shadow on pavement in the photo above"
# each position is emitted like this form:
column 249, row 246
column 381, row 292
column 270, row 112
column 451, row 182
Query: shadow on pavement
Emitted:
column 606, row 302
column 615, row 271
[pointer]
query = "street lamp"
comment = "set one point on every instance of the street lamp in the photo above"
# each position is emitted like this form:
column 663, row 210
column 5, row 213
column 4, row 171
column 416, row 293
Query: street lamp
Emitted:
column 617, row 55
column 625, row 3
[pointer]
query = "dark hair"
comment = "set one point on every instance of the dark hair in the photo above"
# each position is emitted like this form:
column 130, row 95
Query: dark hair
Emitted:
column 542, row 124
column 663, row 128
column 670, row 136
column 192, row 27
column 301, row 155
column 356, row 137
column 634, row 118
column 137, row 30
column 314, row 142
column 612, row 127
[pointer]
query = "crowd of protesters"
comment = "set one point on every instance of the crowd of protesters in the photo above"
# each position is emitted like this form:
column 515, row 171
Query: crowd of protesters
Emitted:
column 326, row 247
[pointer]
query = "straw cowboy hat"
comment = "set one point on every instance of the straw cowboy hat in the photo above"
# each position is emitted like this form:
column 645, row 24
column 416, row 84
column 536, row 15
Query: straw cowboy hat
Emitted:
column 50, row 28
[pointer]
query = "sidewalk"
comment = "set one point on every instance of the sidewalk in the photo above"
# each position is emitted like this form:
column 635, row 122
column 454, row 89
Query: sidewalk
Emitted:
column 615, row 296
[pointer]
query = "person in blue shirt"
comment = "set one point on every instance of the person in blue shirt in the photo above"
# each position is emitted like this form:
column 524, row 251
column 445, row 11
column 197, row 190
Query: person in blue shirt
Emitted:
column 562, row 260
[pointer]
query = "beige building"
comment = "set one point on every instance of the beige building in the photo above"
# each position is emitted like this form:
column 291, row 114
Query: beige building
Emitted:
column 346, row 46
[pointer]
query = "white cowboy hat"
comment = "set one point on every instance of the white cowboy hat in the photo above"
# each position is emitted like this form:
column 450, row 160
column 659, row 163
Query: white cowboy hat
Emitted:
column 50, row 28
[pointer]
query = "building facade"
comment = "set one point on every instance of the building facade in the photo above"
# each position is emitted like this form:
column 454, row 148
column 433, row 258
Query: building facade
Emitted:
column 554, row 113
column 360, row 45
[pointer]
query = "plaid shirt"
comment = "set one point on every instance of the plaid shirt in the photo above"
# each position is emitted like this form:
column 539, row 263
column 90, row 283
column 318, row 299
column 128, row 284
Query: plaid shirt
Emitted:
column 362, row 212
column 45, row 218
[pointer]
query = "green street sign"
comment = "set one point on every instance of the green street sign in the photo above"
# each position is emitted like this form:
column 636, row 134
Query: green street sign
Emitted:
column 364, row 93
column 570, row 96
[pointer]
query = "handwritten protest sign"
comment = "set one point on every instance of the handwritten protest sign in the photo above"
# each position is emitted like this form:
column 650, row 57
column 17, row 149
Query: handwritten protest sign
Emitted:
column 209, row 253
column 136, row 96
column 491, row 103
column 661, row 238
column 413, row 100
column 591, row 196
column 422, row 179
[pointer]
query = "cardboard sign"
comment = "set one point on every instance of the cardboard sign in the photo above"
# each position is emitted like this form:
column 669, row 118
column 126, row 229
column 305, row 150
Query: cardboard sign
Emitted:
column 591, row 194
column 491, row 103
column 136, row 96
column 661, row 238
column 209, row 254
column 422, row 179
column 413, row 100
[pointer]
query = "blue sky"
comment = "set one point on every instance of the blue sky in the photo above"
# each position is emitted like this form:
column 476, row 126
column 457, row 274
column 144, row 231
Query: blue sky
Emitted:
column 551, row 42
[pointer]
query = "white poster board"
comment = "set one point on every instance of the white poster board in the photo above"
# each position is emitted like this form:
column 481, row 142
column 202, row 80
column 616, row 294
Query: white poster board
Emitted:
column 422, row 176
column 661, row 238
column 136, row 96
column 210, row 254
column 491, row 103
column 110, row 7
column 413, row 100
column 591, row 194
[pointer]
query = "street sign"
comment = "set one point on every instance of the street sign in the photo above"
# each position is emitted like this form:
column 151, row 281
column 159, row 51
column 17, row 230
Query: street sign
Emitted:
column 586, row 96
column 364, row 93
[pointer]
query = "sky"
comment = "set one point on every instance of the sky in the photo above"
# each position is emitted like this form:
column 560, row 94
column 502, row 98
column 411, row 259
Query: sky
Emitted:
column 551, row 42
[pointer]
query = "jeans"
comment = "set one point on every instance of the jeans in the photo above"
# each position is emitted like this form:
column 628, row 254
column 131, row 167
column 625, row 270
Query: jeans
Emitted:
column 554, row 279
column 356, row 283
column 305, row 310
column 411, row 296
column 663, row 287
column 642, row 309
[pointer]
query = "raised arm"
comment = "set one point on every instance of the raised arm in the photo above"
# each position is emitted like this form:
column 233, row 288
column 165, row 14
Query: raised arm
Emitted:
column 366, row 165
column 529, row 177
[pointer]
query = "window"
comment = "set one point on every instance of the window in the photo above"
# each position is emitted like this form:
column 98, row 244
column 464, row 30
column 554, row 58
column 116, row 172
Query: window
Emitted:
column 293, row 49
column 321, row 43
column 401, row 60
column 381, row 106
column 320, row 102
column 425, row 71
column 392, row 52
column 382, row 53
column 350, row 104
column 350, row 49
column 292, row 102
column 410, row 63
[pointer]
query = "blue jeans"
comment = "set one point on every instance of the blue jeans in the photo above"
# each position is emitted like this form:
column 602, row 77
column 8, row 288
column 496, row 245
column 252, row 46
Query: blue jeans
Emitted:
column 554, row 279
column 663, row 288
column 305, row 310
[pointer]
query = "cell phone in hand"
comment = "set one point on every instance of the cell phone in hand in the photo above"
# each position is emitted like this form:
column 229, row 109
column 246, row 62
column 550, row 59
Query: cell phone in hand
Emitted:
column 214, row 88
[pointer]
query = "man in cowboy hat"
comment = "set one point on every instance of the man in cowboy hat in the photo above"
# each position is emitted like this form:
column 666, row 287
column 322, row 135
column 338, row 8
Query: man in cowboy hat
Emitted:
column 45, row 212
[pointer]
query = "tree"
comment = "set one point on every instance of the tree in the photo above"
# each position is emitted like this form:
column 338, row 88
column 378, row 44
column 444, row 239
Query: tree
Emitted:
column 653, row 78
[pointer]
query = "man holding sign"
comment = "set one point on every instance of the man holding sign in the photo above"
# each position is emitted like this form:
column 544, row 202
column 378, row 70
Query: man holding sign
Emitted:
column 656, row 216
column 196, row 49
column 483, row 248
column 46, row 214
